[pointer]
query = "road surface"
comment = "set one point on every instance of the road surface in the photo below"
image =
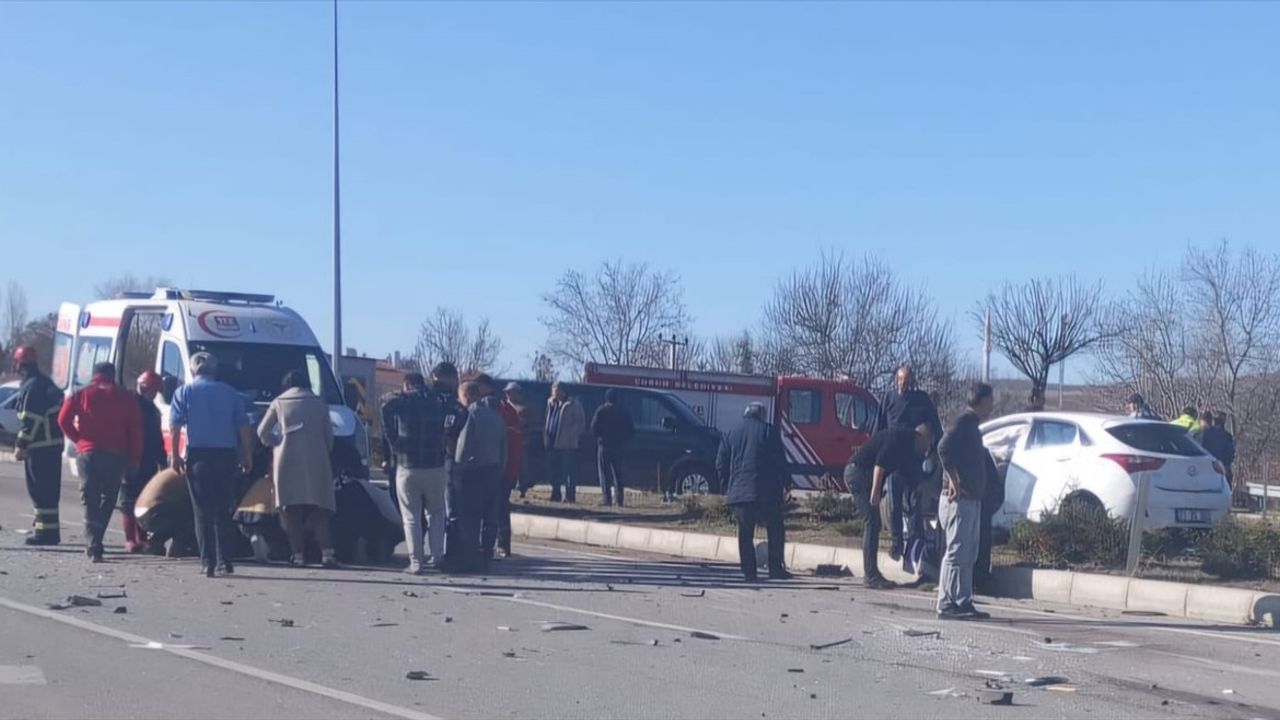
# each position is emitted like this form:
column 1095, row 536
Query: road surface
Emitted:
column 665, row 639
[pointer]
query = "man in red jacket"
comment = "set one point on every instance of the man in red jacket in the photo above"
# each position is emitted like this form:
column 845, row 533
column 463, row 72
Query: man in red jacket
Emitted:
column 104, row 422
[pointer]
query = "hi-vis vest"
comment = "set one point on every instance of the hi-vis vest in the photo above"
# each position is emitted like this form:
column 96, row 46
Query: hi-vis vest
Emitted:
column 39, row 401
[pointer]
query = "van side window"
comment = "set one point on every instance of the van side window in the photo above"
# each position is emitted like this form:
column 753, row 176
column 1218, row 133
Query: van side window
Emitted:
column 804, row 407
column 142, row 341
column 853, row 411
column 171, row 364
column 92, row 351
column 646, row 411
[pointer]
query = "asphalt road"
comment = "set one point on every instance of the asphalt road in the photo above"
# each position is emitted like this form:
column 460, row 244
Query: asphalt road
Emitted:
column 223, row 651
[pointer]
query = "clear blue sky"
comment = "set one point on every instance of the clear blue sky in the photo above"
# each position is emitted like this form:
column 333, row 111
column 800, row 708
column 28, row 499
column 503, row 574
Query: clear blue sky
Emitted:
column 729, row 142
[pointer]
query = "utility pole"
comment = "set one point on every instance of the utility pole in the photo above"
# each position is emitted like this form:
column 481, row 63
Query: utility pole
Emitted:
column 674, row 343
column 986, row 348
column 337, row 214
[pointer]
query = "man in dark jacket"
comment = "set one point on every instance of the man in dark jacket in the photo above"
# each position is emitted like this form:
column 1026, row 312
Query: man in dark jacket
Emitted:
column 613, row 430
column 894, row 451
column 153, row 459
column 965, row 464
column 413, row 423
column 102, row 419
column 39, row 445
column 752, row 464
column 905, row 407
column 1219, row 442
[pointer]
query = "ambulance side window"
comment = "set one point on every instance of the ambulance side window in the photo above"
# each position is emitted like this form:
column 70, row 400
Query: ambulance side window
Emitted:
column 172, row 369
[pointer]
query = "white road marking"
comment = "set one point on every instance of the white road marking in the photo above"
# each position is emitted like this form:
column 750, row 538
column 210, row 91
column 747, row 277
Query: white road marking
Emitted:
column 235, row 667
column 21, row 675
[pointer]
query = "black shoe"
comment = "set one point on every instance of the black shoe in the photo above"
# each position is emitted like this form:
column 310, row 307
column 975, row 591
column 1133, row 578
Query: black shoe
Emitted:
column 209, row 571
column 780, row 575
column 895, row 550
column 227, row 569
column 879, row 583
column 974, row 613
column 954, row 613
column 555, row 498
column 96, row 556
column 42, row 539
column 154, row 548
column 751, row 579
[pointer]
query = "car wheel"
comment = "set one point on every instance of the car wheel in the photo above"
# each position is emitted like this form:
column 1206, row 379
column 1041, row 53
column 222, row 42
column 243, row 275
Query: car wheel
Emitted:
column 694, row 479
column 1081, row 501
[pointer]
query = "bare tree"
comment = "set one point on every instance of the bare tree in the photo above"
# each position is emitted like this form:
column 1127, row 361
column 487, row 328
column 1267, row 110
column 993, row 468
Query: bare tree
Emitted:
column 614, row 315
column 1042, row 322
column 116, row 285
column 445, row 336
column 14, row 315
column 857, row 320
column 544, row 368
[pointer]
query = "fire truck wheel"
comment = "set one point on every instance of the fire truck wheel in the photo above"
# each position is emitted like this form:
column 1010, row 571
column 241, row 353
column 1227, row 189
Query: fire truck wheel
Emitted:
column 694, row 478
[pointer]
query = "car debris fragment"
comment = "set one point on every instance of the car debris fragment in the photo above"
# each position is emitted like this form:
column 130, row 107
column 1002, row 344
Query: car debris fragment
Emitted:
column 837, row 643
column 698, row 634
column 562, row 626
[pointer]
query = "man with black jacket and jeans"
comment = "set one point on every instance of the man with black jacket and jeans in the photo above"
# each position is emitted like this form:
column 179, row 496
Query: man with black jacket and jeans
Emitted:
column 905, row 407
column 613, row 429
column 893, row 451
column 753, row 464
column 965, row 466
column 413, row 425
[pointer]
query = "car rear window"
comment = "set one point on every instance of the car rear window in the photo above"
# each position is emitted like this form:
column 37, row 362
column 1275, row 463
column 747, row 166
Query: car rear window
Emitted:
column 1158, row 438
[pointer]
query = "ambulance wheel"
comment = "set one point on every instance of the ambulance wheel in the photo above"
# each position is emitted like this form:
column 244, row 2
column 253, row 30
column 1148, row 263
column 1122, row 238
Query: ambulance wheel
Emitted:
column 694, row 478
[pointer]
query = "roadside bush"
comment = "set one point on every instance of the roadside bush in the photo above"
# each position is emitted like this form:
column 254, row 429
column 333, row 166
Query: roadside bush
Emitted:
column 1237, row 550
column 706, row 508
column 1172, row 542
column 1077, row 535
column 849, row 528
column 830, row 507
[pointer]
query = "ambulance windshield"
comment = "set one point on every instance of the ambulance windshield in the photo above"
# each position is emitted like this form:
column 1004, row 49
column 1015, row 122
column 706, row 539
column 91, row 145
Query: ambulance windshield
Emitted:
column 258, row 369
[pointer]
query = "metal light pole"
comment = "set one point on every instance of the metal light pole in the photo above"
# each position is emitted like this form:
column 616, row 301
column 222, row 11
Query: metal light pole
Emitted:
column 337, row 214
column 986, row 348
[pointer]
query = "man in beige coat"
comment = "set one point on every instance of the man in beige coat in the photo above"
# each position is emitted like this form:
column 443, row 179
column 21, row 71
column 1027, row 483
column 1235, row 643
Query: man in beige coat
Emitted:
column 566, row 422
column 297, row 424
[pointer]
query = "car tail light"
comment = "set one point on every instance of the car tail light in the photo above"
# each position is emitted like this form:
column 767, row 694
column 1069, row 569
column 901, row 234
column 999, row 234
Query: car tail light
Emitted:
column 1135, row 463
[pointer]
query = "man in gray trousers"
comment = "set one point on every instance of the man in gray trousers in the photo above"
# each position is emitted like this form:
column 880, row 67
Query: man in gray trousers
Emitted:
column 964, row 466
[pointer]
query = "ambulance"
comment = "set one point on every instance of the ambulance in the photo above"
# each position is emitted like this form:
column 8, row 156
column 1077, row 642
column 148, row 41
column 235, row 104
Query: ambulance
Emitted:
column 256, row 339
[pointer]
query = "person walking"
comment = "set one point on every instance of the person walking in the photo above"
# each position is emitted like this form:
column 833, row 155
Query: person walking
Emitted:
column 102, row 420
column 480, row 459
column 153, row 459
column 905, row 407
column 413, row 422
column 39, row 446
column 216, row 420
column 965, row 464
column 613, row 429
column 566, row 422
column 298, row 427
column 892, row 451
column 752, row 464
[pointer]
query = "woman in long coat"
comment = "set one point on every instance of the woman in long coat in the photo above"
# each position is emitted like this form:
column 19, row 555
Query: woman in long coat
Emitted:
column 297, row 424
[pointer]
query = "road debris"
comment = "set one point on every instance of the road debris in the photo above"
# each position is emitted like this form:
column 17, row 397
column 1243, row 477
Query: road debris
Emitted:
column 231, row 638
column 1066, row 647
column 837, row 643
column 698, row 634
column 1228, row 691
column 1046, row 680
column 82, row 601
column 992, row 673
column 410, row 593
column 121, row 610
column 225, row 602
column 993, row 696
column 418, row 675
column 175, row 636
column 700, row 593
column 58, row 606
column 947, row 692
column 153, row 645
column 509, row 654
column 1143, row 613
column 832, row 570
column 112, row 595
column 913, row 633
column 1061, row 688
column 506, row 628
column 282, row 622
column 384, row 624
column 562, row 626
column 795, row 670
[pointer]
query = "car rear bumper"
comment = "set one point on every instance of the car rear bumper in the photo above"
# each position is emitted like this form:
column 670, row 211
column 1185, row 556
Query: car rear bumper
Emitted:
column 1163, row 507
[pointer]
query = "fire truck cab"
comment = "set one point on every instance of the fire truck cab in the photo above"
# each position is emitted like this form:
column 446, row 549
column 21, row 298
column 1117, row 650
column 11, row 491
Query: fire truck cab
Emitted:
column 822, row 421
column 256, row 340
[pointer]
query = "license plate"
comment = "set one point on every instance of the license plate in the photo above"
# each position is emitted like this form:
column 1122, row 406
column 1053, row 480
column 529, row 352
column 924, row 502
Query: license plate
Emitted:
column 1191, row 515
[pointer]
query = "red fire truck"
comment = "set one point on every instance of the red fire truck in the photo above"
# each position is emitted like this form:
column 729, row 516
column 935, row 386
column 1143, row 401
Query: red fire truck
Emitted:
column 822, row 421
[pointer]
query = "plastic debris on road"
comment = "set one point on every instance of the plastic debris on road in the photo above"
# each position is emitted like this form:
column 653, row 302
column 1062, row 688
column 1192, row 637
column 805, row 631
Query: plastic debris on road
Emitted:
column 1046, row 680
column 121, row 610
column 418, row 675
column 112, row 595
column 562, row 626
column 153, row 645
column 837, row 643
column 992, row 696
column 913, row 633
column 947, row 692
column 283, row 622
column 1066, row 647
column 82, row 601
column 700, row 593
column 703, row 635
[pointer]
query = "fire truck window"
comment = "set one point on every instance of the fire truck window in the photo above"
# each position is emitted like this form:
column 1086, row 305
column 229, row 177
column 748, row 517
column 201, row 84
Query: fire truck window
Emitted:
column 171, row 364
column 853, row 411
column 142, row 342
column 804, row 407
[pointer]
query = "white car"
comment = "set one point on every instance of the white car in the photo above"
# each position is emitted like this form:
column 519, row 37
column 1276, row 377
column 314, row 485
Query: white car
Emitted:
column 9, row 408
column 1049, row 459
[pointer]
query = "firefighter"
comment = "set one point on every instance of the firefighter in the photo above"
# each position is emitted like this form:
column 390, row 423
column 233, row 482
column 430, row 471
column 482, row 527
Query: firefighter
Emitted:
column 153, row 461
column 39, row 445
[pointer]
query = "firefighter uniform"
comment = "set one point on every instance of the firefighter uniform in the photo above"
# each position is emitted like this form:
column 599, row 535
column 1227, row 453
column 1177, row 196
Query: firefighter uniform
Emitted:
column 40, row 438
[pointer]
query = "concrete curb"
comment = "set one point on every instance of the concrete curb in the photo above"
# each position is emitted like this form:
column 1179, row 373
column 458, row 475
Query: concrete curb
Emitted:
column 1208, row 603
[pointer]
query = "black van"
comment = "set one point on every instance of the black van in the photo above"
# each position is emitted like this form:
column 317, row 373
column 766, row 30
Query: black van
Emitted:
column 672, row 448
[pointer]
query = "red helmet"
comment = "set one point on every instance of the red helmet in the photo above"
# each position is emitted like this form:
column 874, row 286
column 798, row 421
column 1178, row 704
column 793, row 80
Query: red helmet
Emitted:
column 149, row 382
column 24, row 355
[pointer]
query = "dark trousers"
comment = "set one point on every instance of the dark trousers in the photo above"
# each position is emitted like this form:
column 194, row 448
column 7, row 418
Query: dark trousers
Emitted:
column 982, row 568
column 132, row 486
column 609, row 466
column 904, row 502
column 170, row 521
column 749, row 515
column 43, row 468
column 101, row 474
column 504, row 517
column 476, row 494
column 211, row 476
column 859, row 484
column 562, row 464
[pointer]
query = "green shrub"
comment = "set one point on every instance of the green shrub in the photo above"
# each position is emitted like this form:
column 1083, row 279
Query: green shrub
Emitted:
column 830, row 507
column 1171, row 542
column 849, row 528
column 706, row 508
column 1240, row 551
column 1077, row 535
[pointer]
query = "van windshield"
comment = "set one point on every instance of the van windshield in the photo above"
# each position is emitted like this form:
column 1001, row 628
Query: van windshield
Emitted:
column 258, row 369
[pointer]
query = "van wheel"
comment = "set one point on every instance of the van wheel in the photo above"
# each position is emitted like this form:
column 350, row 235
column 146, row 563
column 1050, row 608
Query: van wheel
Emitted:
column 693, row 478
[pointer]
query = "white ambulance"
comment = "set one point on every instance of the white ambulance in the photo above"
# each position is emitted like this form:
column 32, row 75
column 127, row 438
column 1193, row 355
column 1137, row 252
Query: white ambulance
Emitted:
column 256, row 339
